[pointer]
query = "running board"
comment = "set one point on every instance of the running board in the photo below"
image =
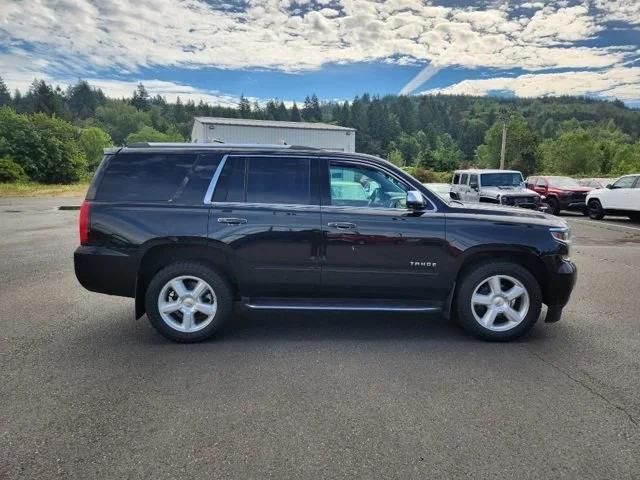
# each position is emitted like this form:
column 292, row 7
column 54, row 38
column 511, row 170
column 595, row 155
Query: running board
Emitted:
column 342, row 304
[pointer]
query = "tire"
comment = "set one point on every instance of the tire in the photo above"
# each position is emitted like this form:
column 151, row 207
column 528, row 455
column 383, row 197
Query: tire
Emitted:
column 203, row 289
column 554, row 206
column 478, row 281
column 585, row 212
column 595, row 209
column 634, row 217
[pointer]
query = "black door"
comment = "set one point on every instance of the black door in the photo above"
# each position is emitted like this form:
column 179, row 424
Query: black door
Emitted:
column 266, row 211
column 375, row 246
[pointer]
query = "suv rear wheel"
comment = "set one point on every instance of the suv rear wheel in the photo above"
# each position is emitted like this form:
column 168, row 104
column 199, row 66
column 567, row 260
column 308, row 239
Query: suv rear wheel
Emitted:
column 188, row 301
column 498, row 301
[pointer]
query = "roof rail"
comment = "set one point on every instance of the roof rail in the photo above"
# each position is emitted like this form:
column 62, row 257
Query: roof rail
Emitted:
column 220, row 145
column 201, row 145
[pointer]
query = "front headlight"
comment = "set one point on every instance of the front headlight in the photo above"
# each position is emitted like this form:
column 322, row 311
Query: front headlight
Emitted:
column 561, row 234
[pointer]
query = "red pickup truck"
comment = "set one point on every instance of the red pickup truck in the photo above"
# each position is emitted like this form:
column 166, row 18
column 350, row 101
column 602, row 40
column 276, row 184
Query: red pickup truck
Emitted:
column 562, row 193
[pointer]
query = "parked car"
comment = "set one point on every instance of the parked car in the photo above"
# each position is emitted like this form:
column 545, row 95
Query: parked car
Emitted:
column 503, row 187
column 441, row 189
column 619, row 198
column 189, row 229
column 561, row 193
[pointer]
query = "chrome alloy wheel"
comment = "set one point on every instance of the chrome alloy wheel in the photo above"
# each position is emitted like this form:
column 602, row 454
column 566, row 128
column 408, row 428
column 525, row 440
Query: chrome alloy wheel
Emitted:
column 500, row 303
column 187, row 304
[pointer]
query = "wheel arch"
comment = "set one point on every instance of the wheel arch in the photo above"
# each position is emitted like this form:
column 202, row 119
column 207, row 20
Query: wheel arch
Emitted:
column 523, row 257
column 160, row 253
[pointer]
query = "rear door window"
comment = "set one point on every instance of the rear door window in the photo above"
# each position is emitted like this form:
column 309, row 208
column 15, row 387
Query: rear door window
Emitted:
column 268, row 180
column 145, row 177
column 278, row 180
column 464, row 179
column 230, row 186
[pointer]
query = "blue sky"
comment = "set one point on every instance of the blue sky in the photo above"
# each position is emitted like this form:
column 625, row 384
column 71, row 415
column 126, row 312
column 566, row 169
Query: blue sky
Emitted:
column 286, row 49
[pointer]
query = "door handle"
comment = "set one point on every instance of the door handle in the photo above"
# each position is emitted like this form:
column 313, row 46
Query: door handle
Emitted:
column 232, row 221
column 342, row 225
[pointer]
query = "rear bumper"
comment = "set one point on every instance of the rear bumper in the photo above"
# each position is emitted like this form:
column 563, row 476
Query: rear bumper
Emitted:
column 104, row 270
column 561, row 278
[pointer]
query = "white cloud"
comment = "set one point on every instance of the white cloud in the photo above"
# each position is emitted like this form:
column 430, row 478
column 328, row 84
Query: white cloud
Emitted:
column 620, row 82
column 170, row 90
column 626, row 11
column 268, row 33
column 80, row 38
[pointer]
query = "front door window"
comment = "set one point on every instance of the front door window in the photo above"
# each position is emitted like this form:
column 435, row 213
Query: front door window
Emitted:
column 360, row 186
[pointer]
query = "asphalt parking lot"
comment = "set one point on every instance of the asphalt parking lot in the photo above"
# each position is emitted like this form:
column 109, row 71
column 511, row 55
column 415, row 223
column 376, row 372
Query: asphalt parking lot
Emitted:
column 87, row 392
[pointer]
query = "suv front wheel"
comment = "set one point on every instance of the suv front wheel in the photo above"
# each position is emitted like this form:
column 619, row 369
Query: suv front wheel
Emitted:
column 188, row 302
column 498, row 301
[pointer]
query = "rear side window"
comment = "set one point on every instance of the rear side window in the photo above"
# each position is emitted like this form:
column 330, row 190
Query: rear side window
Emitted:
column 145, row 177
column 464, row 179
column 230, row 186
column 284, row 180
column 278, row 180
column 456, row 179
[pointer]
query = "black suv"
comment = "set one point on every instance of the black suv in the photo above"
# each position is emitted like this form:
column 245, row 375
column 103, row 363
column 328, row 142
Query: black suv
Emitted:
column 188, row 229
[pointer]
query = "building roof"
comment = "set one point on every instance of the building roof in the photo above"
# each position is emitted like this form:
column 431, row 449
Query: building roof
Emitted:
column 270, row 123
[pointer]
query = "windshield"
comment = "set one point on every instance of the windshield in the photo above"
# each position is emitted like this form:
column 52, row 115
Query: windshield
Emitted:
column 563, row 182
column 507, row 179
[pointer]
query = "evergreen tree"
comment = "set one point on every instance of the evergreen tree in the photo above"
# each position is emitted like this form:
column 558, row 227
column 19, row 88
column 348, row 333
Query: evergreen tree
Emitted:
column 307, row 109
column 244, row 107
column 271, row 110
column 316, row 113
column 83, row 100
column 140, row 98
column 295, row 113
column 281, row 113
column 5, row 96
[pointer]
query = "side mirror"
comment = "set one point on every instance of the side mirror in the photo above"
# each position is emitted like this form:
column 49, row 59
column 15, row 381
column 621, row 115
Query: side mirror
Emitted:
column 474, row 186
column 415, row 200
column 609, row 186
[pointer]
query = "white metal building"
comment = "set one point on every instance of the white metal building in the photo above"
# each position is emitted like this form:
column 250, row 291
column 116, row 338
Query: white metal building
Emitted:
column 240, row 130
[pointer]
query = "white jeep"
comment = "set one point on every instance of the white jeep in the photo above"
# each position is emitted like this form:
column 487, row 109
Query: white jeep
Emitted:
column 502, row 187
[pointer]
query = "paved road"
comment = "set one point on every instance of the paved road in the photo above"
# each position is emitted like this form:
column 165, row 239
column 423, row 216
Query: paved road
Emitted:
column 86, row 392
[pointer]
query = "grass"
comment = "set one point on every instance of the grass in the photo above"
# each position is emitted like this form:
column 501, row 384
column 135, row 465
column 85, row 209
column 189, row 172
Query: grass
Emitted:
column 33, row 189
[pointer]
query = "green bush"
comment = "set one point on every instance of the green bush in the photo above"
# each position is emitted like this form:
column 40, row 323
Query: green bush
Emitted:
column 93, row 141
column 10, row 171
column 46, row 147
column 150, row 134
column 428, row 176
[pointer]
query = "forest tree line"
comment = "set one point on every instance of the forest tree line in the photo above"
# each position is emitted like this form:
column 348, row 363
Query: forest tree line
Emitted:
column 49, row 134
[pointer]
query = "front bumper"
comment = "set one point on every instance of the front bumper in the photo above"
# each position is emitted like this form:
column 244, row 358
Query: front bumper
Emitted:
column 573, row 205
column 561, row 278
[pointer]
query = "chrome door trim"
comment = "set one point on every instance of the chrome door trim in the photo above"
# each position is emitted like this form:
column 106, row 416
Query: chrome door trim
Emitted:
column 338, row 308
column 208, row 196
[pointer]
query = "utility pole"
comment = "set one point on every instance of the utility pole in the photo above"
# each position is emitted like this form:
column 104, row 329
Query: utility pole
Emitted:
column 504, row 115
column 504, row 142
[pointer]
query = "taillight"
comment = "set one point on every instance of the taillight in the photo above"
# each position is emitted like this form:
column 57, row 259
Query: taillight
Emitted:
column 84, row 223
